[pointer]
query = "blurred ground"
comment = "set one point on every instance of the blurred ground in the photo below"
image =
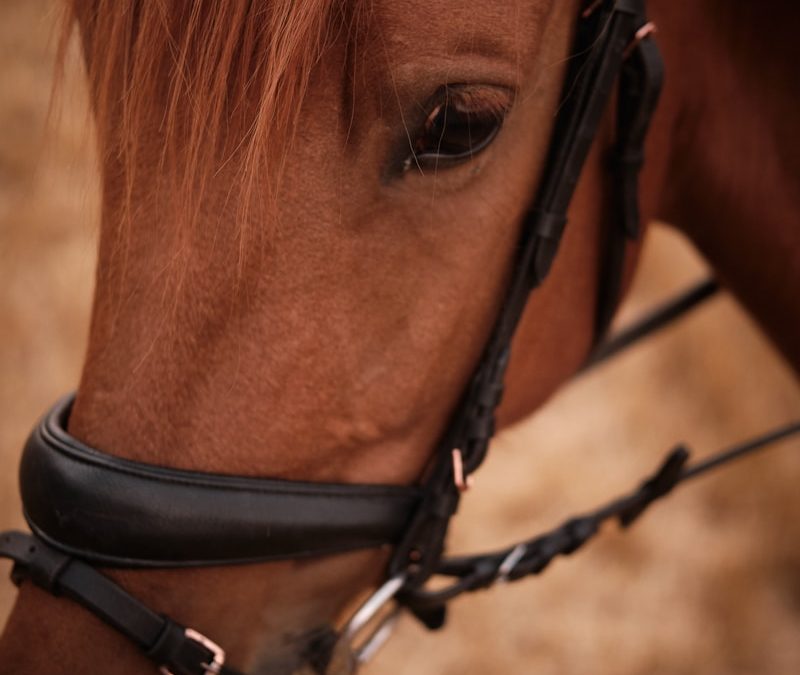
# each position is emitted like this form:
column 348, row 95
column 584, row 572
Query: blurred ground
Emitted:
column 708, row 582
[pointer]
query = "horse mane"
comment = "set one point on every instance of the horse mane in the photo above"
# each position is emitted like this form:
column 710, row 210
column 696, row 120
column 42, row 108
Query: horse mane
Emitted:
column 213, row 84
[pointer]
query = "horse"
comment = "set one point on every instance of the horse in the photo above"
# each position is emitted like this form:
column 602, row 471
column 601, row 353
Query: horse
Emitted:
column 261, row 164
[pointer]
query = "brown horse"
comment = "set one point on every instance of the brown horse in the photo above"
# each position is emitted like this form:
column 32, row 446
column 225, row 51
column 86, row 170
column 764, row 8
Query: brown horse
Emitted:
column 282, row 293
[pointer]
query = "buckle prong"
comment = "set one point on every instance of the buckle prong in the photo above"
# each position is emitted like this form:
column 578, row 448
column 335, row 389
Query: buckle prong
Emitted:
column 218, row 654
column 463, row 483
column 643, row 33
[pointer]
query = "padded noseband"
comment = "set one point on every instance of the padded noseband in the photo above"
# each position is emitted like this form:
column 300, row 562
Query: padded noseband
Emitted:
column 117, row 512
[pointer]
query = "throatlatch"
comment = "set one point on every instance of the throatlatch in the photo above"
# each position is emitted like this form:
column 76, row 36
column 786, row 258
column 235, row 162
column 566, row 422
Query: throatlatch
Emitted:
column 87, row 508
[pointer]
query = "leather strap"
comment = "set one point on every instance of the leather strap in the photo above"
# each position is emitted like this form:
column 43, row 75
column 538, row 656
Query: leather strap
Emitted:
column 641, row 81
column 122, row 513
column 167, row 643
column 603, row 38
column 533, row 556
column 658, row 318
column 112, row 511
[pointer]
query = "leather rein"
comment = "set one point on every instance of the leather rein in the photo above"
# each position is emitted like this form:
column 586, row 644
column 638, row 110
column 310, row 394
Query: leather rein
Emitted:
column 86, row 508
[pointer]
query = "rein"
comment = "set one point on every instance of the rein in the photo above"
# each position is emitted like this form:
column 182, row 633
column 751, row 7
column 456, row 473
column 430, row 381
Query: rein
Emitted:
column 87, row 508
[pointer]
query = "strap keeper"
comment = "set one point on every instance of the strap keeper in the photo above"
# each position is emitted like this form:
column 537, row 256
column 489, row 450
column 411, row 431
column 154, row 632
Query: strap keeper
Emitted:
column 165, row 646
column 545, row 230
column 44, row 567
column 549, row 225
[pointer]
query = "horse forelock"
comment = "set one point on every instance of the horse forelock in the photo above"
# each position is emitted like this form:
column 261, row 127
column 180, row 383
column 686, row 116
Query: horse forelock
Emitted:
column 213, row 86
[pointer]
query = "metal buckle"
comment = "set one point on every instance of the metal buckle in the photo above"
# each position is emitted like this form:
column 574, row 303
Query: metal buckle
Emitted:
column 463, row 483
column 218, row 660
column 643, row 33
column 510, row 562
column 366, row 614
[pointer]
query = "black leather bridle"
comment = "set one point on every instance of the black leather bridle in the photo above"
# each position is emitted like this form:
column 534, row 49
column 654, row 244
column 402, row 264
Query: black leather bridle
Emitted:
column 86, row 508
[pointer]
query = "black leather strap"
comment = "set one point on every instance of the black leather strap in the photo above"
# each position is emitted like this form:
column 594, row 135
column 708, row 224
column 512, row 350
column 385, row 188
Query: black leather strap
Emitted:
column 117, row 512
column 112, row 511
column 603, row 38
column 162, row 640
column 641, row 81
column 533, row 556
column 658, row 318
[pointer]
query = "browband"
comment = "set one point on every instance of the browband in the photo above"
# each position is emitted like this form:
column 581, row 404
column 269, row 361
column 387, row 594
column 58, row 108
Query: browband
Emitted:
column 123, row 513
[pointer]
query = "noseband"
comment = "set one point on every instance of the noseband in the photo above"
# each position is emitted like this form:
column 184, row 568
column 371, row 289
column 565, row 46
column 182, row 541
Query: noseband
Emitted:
column 86, row 508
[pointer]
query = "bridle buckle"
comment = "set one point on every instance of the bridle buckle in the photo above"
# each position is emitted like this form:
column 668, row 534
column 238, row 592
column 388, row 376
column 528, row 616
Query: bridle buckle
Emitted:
column 368, row 622
column 462, row 481
column 218, row 654
column 510, row 562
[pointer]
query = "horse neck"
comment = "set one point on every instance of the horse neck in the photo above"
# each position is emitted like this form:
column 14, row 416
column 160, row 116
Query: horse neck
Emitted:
column 731, row 177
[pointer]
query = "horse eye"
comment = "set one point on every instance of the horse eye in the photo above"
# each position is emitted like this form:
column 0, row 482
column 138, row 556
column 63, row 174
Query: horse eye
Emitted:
column 455, row 131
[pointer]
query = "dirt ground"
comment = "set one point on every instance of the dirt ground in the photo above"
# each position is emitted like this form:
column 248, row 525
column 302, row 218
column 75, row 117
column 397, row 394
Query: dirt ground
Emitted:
column 709, row 582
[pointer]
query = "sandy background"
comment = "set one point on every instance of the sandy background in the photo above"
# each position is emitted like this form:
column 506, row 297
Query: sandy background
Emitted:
column 709, row 582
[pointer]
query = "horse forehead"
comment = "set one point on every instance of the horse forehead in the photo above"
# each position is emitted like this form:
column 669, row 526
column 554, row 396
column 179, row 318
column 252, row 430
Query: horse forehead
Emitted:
column 498, row 29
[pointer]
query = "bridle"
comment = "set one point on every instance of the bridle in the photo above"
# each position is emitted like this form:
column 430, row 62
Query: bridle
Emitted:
column 87, row 508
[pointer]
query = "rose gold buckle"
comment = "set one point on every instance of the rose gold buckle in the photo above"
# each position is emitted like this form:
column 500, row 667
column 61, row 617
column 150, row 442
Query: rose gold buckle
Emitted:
column 642, row 34
column 463, row 483
column 218, row 660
